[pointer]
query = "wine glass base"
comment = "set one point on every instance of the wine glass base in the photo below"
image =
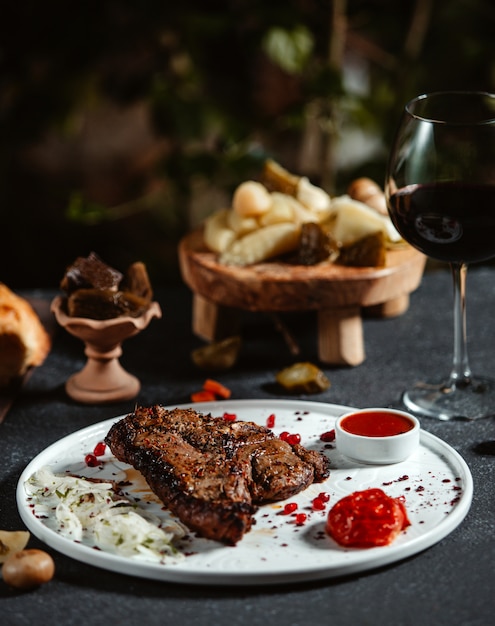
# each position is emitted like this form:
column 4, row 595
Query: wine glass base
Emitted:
column 472, row 401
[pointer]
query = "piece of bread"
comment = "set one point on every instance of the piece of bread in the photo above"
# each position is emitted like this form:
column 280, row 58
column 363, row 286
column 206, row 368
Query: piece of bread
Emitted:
column 24, row 341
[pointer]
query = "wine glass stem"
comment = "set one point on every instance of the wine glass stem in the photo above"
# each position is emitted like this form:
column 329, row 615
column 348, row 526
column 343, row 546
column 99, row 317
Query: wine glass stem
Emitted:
column 460, row 376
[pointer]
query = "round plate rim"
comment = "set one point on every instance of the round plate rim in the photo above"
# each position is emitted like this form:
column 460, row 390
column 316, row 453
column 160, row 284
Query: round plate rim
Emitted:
column 381, row 556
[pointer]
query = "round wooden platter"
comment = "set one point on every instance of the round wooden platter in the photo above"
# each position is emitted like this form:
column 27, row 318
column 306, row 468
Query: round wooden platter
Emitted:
column 338, row 294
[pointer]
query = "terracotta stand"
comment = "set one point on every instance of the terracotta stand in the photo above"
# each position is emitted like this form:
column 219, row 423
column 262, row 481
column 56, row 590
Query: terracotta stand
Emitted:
column 338, row 294
column 103, row 379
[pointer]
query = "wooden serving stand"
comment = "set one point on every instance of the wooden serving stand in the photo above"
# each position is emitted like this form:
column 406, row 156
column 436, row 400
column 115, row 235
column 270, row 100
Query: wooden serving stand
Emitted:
column 339, row 294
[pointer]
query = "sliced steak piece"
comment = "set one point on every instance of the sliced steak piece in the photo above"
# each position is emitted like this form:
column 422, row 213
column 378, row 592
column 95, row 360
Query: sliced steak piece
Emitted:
column 213, row 474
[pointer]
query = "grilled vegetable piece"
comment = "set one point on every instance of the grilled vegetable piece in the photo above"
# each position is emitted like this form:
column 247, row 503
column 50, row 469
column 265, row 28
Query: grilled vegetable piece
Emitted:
column 103, row 304
column 314, row 245
column 137, row 282
column 303, row 377
column 367, row 252
column 90, row 272
column 97, row 291
column 276, row 178
column 219, row 355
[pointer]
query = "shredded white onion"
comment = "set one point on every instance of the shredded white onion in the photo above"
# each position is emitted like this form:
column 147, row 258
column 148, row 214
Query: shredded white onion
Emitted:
column 92, row 513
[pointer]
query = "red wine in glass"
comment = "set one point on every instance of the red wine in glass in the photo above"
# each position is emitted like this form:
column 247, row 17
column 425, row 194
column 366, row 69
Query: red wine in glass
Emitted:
column 440, row 190
column 452, row 222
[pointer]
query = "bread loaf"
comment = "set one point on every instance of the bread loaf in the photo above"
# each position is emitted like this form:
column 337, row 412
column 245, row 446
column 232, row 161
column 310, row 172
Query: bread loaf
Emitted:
column 24, row 341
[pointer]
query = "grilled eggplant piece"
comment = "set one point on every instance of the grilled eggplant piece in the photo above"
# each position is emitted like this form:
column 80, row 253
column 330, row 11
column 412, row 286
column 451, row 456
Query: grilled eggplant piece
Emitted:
column 90, row 272
column 97, row 291
column 103, row 304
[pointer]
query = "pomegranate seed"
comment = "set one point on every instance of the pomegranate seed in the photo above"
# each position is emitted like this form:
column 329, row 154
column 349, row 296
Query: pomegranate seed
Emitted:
column 300, row 519
column 284, row 435
column 318, row 504
column 323, row 496
column 100, row 448
column 91, row 460
column 289, row 508
column 229, row 417
column 328, row 436
column 270, row 421
column 293, row 439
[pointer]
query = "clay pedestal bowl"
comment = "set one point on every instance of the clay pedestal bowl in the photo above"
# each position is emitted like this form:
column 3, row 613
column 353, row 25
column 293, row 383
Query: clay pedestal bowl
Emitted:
column 103, row 379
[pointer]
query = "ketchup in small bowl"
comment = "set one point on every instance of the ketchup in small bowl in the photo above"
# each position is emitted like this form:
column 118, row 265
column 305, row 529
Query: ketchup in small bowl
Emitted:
column 377, row 436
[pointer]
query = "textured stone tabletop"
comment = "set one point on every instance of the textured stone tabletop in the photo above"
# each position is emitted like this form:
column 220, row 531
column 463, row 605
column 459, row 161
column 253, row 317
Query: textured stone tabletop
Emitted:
column 450, row 583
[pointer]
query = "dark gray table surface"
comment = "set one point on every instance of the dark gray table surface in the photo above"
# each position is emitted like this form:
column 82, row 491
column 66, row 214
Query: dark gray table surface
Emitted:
column 453, row 582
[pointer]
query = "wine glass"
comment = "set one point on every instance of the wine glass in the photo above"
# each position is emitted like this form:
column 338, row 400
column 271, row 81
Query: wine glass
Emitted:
column 440, row 190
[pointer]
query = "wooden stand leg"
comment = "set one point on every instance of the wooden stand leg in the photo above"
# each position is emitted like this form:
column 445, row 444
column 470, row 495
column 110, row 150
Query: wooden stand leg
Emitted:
column 213, row 322
column 340, row 336
column 391, row 308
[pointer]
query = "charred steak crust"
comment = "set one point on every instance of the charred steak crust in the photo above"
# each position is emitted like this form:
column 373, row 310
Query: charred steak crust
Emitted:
column 213, row 474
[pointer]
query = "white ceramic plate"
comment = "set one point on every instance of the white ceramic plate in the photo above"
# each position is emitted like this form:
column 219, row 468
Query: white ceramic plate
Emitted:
column 435, row 481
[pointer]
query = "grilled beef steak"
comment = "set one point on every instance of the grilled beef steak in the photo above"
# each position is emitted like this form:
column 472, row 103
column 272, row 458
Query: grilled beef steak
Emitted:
column 210, row 472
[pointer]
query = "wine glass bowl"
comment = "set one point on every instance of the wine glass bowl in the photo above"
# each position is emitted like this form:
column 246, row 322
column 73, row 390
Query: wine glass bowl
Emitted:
column 440, row 191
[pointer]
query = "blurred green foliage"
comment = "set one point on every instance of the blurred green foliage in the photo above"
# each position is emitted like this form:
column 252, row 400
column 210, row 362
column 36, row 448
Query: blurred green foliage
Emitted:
column 123, row 123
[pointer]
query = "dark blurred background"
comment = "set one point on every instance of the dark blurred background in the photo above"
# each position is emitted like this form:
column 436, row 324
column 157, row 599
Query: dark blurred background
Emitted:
column 123, row 123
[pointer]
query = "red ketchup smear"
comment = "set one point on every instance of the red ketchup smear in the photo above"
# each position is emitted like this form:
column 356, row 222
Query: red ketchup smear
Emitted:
column 376, row 424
